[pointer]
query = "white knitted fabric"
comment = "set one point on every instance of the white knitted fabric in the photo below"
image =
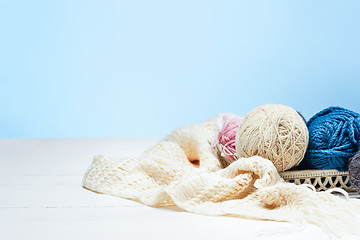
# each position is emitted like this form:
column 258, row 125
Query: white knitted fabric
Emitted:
column 182, row 170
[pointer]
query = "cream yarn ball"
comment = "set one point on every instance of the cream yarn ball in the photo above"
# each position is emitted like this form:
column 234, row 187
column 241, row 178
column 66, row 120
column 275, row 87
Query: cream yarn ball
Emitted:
column 275, row 132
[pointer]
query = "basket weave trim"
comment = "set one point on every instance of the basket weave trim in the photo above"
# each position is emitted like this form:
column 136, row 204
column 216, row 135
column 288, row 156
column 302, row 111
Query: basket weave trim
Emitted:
column 321, row 179
column 312, row 173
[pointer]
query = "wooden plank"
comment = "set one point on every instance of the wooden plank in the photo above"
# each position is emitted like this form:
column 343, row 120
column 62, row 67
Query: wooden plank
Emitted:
column 140, row 223
column 42, row 198
column 63, row 156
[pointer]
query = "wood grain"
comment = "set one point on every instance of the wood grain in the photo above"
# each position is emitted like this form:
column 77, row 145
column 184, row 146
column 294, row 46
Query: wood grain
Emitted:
column 42, row 198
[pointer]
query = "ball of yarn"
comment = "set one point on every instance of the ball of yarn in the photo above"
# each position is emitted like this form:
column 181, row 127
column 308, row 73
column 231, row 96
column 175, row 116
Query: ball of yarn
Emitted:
column 273, row 131
column 334, row 135
column 354, row 171
column 226, row 135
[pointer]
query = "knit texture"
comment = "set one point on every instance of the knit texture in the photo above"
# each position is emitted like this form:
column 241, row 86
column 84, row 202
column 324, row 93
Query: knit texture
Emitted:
column 182, row 170
column 334, row 137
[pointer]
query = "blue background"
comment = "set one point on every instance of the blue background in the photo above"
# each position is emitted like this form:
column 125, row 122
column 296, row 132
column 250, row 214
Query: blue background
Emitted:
column 143, row 68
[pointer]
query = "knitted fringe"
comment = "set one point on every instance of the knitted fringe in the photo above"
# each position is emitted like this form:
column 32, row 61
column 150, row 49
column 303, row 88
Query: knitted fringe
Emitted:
column 259, row 193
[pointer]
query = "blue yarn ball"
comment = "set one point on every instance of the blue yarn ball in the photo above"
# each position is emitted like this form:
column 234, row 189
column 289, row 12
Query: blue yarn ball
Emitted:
column 334, row 137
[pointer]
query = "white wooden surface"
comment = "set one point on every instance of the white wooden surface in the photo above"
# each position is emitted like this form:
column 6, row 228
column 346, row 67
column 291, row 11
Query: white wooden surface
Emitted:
column 42, row 198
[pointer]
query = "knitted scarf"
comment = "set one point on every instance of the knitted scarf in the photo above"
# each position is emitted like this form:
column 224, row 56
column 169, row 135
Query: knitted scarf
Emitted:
column 183, row 170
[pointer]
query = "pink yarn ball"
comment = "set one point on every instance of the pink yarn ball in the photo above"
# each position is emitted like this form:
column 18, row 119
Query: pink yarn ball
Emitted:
column 226, row 136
